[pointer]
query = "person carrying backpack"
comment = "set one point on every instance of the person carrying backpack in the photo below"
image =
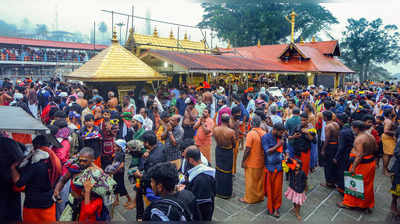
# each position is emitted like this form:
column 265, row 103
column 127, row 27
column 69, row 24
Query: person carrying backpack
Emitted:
column 168, row 204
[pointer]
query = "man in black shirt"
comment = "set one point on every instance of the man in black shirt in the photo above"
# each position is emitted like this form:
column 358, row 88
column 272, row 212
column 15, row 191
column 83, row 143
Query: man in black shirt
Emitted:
column 171, row 205
column 201, row 182
column 154, row 154
column 33, row 173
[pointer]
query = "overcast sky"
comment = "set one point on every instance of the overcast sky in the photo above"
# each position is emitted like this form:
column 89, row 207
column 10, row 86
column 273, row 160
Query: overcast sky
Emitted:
column 78, row 15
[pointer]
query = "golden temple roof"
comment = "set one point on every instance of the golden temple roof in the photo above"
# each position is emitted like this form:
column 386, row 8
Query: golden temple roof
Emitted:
column 164, row 43
column 115, row 64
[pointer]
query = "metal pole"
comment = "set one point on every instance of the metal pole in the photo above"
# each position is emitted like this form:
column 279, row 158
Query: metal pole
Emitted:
column 94, row 36
column 112, row 23
column 126, row 31
column 133, row 15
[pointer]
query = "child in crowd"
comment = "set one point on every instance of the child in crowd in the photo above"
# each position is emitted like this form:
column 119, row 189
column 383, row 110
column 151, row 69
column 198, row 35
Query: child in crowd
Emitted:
column 89, row 136
column 297, row 185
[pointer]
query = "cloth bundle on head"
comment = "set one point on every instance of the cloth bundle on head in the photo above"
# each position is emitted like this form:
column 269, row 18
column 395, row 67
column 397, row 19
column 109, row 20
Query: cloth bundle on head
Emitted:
column 138, row 118
column 221, row 90
column 121, row 143
column 135, row 145
column 103, row 184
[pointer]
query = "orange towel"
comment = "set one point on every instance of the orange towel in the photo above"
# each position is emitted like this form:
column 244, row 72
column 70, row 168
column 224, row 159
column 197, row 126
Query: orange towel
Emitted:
column 305, row 160
column 368, row 172
column 40, row 215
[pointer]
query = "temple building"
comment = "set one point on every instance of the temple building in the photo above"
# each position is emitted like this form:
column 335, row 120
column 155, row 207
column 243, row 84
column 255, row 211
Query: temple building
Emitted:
column 312, row 63
column 118, row 70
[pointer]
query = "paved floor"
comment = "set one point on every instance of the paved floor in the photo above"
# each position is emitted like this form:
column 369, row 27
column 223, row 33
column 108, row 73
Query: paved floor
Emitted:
column 319, row 207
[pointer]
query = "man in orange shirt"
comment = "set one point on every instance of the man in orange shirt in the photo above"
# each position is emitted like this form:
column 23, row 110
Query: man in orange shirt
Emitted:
column 253, row 164
column 203, row 138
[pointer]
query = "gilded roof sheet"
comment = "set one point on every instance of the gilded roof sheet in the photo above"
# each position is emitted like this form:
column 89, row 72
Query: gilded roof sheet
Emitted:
column 170, row 44
column 115, row 64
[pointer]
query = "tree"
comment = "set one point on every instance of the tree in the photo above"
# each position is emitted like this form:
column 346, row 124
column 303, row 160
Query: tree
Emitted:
column 27, row 29
column 103, row 28
column 8, row 29
column 42, row 31
column 243, row 23
column 367, row 44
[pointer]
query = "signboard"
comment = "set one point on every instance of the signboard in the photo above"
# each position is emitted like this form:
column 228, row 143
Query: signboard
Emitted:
column 354, row 185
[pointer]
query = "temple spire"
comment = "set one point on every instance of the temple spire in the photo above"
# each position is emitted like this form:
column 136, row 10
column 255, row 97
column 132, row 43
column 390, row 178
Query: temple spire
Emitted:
column 155, row 33
column 114, row 36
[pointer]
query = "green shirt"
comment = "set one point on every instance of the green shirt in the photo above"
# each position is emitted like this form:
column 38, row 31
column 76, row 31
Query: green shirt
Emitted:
column 291, row 125
column 138, row 134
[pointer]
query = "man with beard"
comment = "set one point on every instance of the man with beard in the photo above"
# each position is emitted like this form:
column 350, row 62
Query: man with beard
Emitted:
column 174, row 138
column 85, row 160
column 170, row 205
column 203, row 138
column 239, row 127
column 329, row 149
column 253, row 164
column 38, row 172
column 222, row 109
column 201, row 182
column 226, row 139
column 155, row 152
column 272, row 144
column 189, row 119
column 346, row 139
column 138, row 130
column 362, row 163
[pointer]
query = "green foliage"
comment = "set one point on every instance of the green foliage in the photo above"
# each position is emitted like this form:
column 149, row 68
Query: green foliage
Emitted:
column 243, row 23
column 42, row 31
column 7, row 29
column 366, row 44
column 103, row 27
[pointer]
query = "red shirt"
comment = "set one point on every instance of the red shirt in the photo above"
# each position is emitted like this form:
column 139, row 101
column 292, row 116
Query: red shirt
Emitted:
column 89, row 211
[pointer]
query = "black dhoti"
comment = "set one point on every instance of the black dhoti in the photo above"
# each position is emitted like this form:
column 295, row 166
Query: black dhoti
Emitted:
column 330, row 167
column 223, row 171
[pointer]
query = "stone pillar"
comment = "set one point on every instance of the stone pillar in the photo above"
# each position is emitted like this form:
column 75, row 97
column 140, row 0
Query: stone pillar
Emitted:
column 310, row 78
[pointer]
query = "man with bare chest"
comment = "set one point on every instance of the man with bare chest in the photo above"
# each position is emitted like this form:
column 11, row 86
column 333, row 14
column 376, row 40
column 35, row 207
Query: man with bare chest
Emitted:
column 329, row 149
column 362, row 163
column 225, row 138
column 388, row 140
column 189, row 119
column 239, row 128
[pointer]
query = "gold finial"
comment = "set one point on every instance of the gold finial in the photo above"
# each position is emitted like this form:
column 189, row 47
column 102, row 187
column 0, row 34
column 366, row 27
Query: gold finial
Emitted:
column 185, row 37
column 114, row 37
column 229, row 44
column 171, row 35
column 301, row 41
column 258, row 43
column 155, row 33
column 292, row 21
column 313, row 39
